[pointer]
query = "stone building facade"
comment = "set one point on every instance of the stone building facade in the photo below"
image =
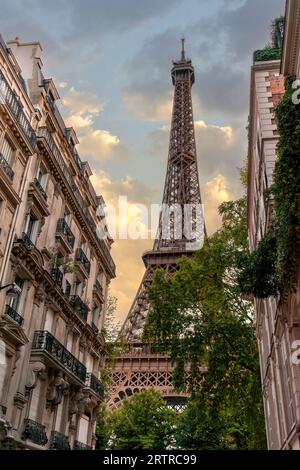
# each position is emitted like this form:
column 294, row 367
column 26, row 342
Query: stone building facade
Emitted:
column 277, row 319
column 55, row 250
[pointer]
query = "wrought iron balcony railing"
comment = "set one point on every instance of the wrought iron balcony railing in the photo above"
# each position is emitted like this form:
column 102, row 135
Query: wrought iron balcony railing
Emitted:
column 98, row 286
column 6, row 168
column 83, row 260
column 12, row 313
column 45, row 341
column 64, row 229
column 9, row 98
column 93, row 383
column 40, row 188
column 27, row 242
column 44, row 134
column 59, row 441
column 57, row 276
column 95, row 327
column 35, row 432
column 80, row 446
column 81, row 308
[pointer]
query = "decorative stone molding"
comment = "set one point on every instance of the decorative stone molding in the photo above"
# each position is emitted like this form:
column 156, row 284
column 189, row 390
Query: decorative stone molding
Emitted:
column 16, row 360
column 20, row 400
column 57, row 388
column 75, row 403
column 36, row 370
column 39, row 296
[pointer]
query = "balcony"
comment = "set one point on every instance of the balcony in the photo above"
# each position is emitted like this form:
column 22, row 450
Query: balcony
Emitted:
column 14, row 315
column 27, row 242
column 79, row 306
column 34, row 432
column 45, row 342
column 6, row 168
column 37, row 198
column 14, row 106
column 95, row 328
column 46, row 140
column 59, row 441
column 98, row 291
column 65, row 236
column 40, row 188
column 82, row 262
column 57, row 275
column 94, row 384
column 80, row 446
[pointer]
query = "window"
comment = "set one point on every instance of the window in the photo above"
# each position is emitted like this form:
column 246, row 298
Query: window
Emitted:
column 66, row 288
column 67, row 215
column 41, row 177
column 16, row 302
column 79, row 288
column 7, row 150
column 32, row 227
column 95, row 315
column 99, row 276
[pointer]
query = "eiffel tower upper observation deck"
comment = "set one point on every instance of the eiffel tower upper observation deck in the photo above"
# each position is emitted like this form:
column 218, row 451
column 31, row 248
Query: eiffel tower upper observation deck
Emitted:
column 181, row 231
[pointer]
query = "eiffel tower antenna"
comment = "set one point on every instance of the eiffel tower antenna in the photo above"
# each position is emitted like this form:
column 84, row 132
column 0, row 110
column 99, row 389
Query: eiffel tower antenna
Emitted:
column 139, row 367
column 182, row 49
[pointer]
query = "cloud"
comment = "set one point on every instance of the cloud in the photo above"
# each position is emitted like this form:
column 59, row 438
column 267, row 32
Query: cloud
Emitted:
column 130, row 269
column 221, row 47
column 81, row 110
column 135, row 190
column 214, row 192
column 220, row 149
column 225, row 131
column 126, row 253
column 148, row 93
column 146, row 108
column 97, row 144
column 97, row 17
column 80, row 103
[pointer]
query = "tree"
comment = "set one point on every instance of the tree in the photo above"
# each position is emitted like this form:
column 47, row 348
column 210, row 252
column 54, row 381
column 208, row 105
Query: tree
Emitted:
column 143, row 422
column 200, row 319
column 103, row 430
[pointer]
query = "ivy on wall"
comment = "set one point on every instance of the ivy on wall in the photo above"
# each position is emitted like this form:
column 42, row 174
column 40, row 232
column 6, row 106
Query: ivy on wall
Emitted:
column 259, row 275
column 272, row 267
column 286, row 188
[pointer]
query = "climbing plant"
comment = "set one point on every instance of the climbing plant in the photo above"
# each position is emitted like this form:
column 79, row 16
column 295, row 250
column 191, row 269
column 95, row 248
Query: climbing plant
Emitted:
column 286, row 189
column 259, row 276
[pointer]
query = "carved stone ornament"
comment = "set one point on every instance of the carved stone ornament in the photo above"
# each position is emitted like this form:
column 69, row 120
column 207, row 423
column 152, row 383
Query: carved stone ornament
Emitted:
column 57, row 388
column 36, row 370
column 39, row 295
column 75, row 403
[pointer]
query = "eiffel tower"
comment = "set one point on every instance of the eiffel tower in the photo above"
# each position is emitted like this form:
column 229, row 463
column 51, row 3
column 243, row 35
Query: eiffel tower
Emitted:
column 181, row 231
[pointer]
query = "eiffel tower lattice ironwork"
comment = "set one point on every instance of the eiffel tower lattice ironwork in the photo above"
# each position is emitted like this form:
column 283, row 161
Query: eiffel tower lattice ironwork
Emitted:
column 181, row 231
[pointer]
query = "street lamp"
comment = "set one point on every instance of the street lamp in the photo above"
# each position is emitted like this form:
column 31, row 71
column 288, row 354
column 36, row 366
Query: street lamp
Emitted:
column 13, row 290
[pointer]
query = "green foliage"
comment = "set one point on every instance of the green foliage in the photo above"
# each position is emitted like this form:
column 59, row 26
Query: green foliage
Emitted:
column 259, row 276
column 205, row 426
column 200, row 318
column 103, row 430
column 272, row 267
column 143, row 422
column 277, row 32
column 8, row 444
column 244, row 173
column 269, row 53
column 286, row 189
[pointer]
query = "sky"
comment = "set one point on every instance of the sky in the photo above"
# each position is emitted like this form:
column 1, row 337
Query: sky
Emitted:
column 111, row 61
